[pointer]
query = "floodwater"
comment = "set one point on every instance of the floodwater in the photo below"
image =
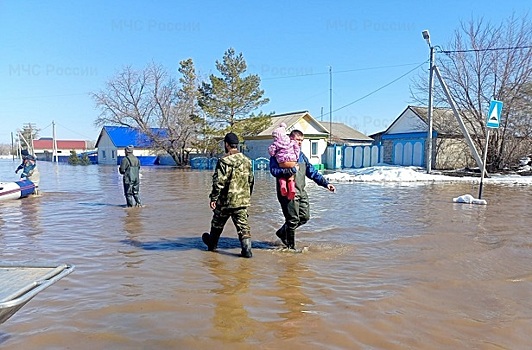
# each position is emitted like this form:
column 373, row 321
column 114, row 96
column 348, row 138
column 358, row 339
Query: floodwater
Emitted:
column 388, row 267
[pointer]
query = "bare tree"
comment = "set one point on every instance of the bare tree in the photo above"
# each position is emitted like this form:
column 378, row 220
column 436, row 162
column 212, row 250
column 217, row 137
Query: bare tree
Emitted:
column 157, row 105
column 483, row 62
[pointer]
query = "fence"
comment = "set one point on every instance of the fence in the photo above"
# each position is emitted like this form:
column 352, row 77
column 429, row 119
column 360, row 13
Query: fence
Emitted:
column 206, row 163
column 359, row 156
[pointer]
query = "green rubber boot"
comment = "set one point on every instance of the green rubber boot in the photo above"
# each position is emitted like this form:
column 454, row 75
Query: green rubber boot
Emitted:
column 246, row 248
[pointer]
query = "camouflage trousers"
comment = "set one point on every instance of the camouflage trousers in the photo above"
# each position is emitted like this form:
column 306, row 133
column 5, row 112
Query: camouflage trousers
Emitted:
column 239, row 217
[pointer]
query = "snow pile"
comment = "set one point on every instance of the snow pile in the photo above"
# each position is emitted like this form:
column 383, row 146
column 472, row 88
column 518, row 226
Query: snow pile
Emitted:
column 397, row 174
column 386, row 173
column 469, row 199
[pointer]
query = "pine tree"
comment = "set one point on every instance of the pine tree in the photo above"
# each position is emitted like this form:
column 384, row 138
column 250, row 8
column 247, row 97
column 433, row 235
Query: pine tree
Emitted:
column 73, row 159
column 231, row 97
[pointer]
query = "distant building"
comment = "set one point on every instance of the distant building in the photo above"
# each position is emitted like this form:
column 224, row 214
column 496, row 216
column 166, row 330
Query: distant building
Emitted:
column 345, row 135
column 113, row 139
column 43, row 148
column 404, row 141
column 313, row 146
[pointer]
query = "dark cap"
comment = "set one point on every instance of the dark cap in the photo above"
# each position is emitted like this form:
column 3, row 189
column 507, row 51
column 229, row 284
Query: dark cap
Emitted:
column 231, row 139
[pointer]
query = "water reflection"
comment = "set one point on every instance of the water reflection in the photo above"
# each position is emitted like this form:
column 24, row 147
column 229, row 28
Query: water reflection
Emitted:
column 231, row 320
column 296, row 316
column 133, row 223
column 380, row 259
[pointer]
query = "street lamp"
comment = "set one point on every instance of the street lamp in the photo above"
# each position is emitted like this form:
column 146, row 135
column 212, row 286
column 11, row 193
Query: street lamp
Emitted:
column 426, row 36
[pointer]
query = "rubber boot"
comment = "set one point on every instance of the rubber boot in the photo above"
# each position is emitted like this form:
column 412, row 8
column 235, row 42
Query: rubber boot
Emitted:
column 281, row 233
column 246, row 248
column 291, row 189
column 290, row 239
column 129, row 200
column 283, row 187
column 136, row 197
column 211, row 239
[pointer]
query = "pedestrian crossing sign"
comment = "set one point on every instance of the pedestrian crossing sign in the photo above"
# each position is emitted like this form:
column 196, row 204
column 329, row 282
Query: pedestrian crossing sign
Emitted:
column 494, row 114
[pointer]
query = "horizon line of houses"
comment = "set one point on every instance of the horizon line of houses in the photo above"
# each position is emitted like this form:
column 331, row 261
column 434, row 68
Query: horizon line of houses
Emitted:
column 402, row 143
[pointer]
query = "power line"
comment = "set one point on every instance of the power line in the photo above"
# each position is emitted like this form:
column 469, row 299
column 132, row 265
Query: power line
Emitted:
column 382, row 87
column 339, row 72
column 488, row 49
column 73, row 131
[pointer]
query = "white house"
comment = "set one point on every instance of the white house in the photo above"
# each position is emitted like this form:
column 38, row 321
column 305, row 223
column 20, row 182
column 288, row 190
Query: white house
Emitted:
column 404, row 141
column 113, row 139
column 313, row 146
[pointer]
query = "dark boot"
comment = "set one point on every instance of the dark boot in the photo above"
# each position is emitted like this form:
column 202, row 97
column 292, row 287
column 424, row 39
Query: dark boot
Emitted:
column 137, row 200
column 211, row 240
column 290, row 239
column 246, row 248
column 281, row 233
column 129, row 201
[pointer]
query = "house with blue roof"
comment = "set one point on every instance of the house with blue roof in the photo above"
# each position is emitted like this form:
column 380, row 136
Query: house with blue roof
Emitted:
column 113, row 139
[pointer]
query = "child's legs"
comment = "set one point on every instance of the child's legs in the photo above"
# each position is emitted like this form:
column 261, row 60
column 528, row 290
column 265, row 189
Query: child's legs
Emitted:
column 283, row 186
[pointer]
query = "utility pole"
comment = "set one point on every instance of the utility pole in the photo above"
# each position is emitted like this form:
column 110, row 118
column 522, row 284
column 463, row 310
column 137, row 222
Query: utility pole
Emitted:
column 54, row 143
column 29, row 128
column 12, row 146
column 330, row 104
column 426, row 36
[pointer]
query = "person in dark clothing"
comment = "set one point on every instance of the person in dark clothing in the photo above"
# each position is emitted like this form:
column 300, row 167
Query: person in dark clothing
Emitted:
column 29, row 169
column 232, row 185
column 296, row 211
column 130, row 168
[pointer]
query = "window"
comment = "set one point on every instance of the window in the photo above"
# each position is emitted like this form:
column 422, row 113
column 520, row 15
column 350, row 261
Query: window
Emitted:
column 103, row 155
column 313, row 148
column 113, row 155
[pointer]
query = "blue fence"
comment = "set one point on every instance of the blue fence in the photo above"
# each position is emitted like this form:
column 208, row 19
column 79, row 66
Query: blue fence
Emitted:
column 203, row 163
column 361, row 156
column 206, row 163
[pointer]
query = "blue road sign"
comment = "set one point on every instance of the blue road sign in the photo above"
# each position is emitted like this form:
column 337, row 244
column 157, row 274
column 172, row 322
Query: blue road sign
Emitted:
column 494, row 114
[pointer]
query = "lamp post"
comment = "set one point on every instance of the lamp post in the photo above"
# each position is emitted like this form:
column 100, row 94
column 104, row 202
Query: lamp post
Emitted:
column 426, row 36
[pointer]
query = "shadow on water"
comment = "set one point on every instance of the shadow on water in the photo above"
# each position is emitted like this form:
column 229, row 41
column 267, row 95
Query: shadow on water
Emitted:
column 189, row 243
column 381, row 258
column 102, row 205
column 4, row 337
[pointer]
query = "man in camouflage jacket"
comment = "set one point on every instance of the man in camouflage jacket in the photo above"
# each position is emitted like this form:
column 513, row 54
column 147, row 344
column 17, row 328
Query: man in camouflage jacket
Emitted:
column 232, row 185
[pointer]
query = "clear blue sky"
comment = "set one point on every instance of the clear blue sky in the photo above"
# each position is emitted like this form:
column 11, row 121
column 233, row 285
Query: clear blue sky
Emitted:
column 55, row 52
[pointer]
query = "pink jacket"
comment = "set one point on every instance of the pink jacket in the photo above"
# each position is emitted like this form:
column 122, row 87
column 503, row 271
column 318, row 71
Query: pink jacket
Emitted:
column 283, row 148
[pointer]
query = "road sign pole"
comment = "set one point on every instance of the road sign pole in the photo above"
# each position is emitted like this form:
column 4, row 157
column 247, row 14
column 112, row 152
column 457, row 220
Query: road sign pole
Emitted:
column 484, row 164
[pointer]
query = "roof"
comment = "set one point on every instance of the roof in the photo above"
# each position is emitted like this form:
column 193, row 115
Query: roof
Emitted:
column 290, row 119
column 122, row 136
column 345, row 132
column 48, row 143
column 443, row 119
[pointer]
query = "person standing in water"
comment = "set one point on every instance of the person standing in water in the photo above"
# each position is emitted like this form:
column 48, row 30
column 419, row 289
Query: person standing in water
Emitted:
column 130, row 169
column 29, row 170
column 296, row 211
column 232, row 185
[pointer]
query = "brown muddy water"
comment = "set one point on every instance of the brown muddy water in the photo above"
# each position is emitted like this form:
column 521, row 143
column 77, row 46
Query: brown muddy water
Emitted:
column 388, row 267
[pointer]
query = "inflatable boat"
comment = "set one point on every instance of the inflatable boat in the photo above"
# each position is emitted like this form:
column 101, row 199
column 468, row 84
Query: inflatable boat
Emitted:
column 20, row 283
column 16, row 189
